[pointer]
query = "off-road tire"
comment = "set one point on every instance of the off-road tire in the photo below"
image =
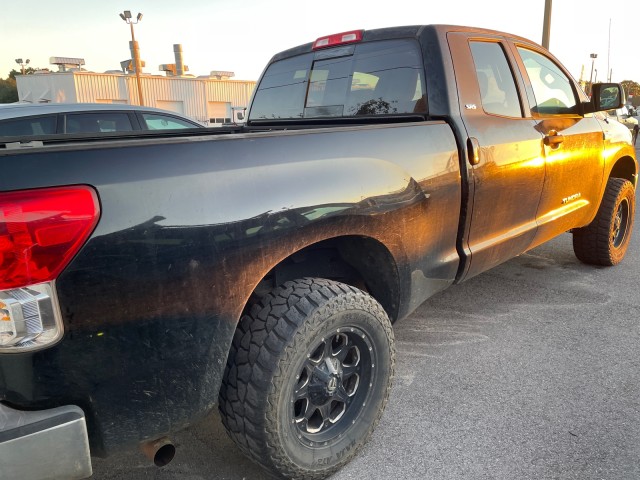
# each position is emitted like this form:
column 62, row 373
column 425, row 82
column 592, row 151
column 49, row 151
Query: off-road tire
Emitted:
column 327, row 332
column 605, row 240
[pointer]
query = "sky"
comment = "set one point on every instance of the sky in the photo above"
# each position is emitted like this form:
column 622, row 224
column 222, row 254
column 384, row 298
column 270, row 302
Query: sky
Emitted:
column 242, row 35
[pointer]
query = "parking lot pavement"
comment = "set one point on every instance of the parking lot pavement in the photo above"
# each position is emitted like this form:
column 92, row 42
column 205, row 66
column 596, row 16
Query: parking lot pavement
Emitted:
column 528, row 371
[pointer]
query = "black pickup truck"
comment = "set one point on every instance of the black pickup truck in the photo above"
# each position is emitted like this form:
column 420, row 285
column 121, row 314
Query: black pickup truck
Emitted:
column 147, row 278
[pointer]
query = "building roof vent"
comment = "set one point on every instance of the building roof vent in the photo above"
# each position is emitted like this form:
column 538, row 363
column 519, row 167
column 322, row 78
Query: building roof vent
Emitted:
column 221, row 75
column 177, row 69
column 66, row 63
column 128, row 66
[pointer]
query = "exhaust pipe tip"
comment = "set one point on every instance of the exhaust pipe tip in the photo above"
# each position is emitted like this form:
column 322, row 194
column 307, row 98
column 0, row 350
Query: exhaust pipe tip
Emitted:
column 160, row 451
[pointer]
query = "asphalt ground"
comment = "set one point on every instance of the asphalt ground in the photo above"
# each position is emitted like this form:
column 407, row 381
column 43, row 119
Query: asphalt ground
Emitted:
column 528, row 371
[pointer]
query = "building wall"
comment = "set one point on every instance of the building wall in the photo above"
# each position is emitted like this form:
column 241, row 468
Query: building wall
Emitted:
column 238, row 92
column 190, row 96
column 47, row 88
column 190, row 92
column 225, row 95
column 100, row 88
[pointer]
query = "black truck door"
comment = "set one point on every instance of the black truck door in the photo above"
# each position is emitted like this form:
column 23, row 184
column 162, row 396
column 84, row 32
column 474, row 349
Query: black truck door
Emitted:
column 505, row 151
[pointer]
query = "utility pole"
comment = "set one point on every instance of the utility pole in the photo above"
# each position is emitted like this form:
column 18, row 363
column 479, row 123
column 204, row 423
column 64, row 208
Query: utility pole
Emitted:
column 609, row 52
column 546, row 25
column 126, row 16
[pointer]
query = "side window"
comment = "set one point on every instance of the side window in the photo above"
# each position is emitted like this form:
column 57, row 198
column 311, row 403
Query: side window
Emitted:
column 497, row 86
column 551, row 87
column 98, row 122
column 281, row 91
column 156, row 121
column 29, row 126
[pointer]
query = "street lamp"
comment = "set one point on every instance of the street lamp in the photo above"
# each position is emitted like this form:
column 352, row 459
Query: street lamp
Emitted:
column 593, row 59
column 22, row 64
column 546, row 24
column 126, row 16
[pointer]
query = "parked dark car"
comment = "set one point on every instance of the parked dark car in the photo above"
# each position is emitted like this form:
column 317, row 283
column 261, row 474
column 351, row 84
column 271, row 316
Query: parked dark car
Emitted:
column 18, row 119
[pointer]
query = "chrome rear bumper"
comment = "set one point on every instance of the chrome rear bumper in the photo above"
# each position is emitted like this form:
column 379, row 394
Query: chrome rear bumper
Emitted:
column 44, row 445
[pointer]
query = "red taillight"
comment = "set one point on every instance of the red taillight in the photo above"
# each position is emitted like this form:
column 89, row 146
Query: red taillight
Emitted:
column 41, row 231
column 338, row 39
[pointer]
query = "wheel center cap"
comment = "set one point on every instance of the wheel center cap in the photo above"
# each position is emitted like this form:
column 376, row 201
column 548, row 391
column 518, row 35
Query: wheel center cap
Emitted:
column 334, row 370
column 325, row 381
column 332, row 384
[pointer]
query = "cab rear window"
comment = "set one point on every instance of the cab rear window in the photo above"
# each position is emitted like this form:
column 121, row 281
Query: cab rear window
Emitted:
column 368, row 79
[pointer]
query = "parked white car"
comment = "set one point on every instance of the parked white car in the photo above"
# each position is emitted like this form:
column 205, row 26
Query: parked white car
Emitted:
column 623, row 116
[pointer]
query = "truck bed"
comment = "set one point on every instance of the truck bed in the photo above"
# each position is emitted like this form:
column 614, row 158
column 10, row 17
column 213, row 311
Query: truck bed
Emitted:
column 189, row 227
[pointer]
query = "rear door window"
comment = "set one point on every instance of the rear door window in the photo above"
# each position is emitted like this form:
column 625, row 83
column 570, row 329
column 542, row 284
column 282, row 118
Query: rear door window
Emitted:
column 497, row 86
column 377, row 78
column 97, row 122
column 29, row 126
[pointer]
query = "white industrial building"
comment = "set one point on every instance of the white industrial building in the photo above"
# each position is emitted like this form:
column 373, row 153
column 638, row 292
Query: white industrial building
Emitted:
column 207, row 100
column 211, row 100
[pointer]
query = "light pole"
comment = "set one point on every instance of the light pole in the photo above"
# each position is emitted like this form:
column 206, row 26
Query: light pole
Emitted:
column 126, row 16
column 593, row 60
column 546, row 24
column 22, row 64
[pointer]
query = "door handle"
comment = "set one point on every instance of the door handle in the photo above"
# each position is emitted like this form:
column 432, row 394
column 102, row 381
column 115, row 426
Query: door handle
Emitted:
column 473, row 150
column 553, row 139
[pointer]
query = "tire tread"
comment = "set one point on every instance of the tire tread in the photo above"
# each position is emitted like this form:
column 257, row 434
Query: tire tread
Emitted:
column 247, row 391
column 591, row 244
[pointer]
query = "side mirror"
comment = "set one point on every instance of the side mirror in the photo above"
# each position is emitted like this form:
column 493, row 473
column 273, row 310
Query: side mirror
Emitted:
column 607, row 96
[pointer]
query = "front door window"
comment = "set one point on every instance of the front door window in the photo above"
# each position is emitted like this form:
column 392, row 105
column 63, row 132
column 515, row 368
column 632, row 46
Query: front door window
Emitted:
column 551, row 87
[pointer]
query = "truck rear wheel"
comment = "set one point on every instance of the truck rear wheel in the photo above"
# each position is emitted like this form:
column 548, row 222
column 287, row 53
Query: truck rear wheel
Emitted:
column 605, row 240
column 308, row 377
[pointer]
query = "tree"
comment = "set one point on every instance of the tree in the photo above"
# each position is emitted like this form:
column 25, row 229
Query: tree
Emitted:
column 27, row 71
column 632, row 88
column 8, row 91
column 376, row 106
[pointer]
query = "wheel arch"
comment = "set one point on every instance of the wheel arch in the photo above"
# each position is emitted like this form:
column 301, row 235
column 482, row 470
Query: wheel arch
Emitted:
column 625, row 167
column 360, row 261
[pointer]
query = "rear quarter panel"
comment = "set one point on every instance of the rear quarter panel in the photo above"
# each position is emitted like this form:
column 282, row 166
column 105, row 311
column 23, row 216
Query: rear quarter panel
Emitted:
column 189, row 227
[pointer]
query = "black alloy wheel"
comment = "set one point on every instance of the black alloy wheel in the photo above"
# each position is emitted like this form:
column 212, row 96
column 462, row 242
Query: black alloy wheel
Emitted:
column 332, row 385
column 620, row 224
